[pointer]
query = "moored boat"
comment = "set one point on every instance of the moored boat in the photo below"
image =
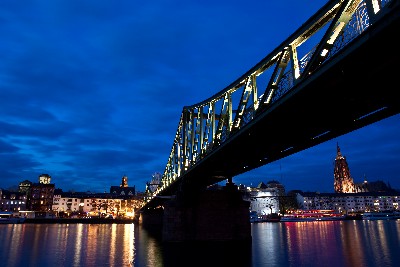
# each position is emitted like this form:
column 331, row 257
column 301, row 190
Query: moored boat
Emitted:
column 387, row 215
column 296, row 218
column 272, row 217
column 7, row 218
column 312, row 215
column 254, row 217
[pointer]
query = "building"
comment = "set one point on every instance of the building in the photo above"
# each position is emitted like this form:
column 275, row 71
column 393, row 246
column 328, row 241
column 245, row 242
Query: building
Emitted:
column 44, row 178
column 82, row 204
column 264, row 199
column 375, row 186
column 40, row 197
column 351, row 197
column 12, row 201
column 24, row 186
column 277, row 185
column 68, row 204
column 343, row 182
column 123, row 190
column 349, row 203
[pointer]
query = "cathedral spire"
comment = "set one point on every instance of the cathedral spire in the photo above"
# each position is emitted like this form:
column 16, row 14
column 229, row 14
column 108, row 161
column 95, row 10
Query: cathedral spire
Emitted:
column 338, row 153
column 343, row 182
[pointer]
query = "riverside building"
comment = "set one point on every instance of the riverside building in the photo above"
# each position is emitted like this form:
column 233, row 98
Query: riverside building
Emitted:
column 349, row 203
column 264, row 199
column 349, row 196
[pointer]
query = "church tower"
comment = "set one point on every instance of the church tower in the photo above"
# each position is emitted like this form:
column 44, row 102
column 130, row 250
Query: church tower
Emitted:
column 124, row 181
column 343, row 182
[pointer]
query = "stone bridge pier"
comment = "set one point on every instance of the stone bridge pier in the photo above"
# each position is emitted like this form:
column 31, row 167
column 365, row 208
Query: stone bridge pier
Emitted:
column 208, row 215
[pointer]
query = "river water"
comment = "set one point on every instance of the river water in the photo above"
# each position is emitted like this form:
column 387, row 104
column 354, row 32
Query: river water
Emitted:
column 329, row 243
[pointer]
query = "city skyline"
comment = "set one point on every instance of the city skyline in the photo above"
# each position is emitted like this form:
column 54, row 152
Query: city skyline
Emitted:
column 93, row 91
column 249, row 182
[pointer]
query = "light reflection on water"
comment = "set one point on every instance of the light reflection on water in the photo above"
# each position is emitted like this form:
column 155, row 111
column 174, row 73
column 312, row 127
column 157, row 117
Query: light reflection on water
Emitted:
column 330, row 243
column 67, row 245
column 327, row 243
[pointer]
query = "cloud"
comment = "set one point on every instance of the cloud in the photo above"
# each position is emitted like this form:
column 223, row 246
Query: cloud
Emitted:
column 93, row 90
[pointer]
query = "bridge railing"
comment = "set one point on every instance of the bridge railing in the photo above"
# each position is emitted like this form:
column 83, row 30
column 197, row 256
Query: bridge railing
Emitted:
column 206, row 126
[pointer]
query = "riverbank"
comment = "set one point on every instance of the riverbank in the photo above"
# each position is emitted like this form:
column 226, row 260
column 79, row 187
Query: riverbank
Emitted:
column 80, row 220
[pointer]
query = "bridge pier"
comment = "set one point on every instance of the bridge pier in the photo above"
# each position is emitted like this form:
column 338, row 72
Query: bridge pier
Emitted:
column 209, row 215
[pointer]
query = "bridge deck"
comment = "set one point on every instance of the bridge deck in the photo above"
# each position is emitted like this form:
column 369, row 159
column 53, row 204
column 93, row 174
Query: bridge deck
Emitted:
column 355, row 88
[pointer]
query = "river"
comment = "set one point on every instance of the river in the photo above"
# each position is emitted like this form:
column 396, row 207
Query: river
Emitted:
column 323, row 243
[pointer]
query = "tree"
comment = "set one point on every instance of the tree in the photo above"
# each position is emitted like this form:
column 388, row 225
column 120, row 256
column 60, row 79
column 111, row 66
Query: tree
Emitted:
column 286, row 203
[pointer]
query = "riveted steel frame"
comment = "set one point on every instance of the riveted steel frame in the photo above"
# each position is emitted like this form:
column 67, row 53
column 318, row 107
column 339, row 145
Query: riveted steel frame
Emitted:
column 202, row 129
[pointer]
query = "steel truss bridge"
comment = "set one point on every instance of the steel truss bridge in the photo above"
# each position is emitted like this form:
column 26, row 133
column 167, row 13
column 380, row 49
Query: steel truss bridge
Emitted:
column 335, row 74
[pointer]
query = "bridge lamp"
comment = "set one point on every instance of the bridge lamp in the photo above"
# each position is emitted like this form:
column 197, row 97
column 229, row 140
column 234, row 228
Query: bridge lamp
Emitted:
column 336, row 33
column 324, row 52
column 375, row 6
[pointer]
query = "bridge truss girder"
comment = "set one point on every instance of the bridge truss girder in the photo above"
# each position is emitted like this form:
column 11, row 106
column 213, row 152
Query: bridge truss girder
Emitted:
column 207, row 126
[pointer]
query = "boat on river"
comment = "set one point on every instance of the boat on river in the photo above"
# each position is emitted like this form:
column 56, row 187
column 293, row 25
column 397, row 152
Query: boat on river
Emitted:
column 8, row 217
column 272, row 217
column 254, row 217
column 312, row 215
column 386, row 215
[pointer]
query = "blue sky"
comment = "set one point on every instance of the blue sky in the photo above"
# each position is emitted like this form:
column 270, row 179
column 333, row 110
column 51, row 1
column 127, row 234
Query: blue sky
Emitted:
column 93, row 90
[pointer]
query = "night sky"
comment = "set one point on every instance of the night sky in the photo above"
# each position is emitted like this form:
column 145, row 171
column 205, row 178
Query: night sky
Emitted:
column 93, row 90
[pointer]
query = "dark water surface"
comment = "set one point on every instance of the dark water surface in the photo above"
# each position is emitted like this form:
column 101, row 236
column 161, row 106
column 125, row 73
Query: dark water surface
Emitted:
column 330, row 243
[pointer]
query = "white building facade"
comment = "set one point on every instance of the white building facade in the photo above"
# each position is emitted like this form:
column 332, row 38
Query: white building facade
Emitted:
column 351, row 202
column 264, row 201
column 88, row 205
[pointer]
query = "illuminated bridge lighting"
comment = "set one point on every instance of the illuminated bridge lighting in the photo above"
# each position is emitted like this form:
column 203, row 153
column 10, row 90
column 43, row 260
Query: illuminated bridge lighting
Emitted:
column 287, row 149
column 371, row 113
column 318, row 136
column 208, row 127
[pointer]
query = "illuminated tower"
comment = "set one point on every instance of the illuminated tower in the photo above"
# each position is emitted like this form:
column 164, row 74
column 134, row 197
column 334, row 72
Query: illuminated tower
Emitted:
column 343, row 183
column 44, row 178
column 124, row 182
